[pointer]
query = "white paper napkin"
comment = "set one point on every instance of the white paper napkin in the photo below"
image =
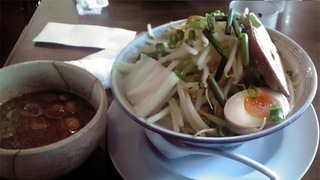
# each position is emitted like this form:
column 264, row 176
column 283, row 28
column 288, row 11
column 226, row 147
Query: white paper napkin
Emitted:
column 99, row 64
column 112, row 40
column 85, row 35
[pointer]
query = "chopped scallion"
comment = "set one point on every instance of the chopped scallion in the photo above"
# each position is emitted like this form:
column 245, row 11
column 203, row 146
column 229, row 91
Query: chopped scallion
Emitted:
column 245, row 48
column 276, row 114
column 215, row 43
column 220, row 69
column 174, row 38
column 192, row 35
column 180, row 34
column 254, row 21
column 253, row 92
column 198, row 24
column 236, row 28
column 221, row 18
column 229, row 22
column 215, row 89
column 210, row 21
column 180, row 75
column 160, row 49
column 152, row 55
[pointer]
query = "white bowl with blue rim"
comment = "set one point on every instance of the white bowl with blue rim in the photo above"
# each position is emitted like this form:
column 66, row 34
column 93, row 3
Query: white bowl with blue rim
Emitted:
column 294, row 57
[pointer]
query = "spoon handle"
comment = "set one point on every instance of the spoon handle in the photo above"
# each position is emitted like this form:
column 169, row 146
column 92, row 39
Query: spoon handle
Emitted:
column 174, row 149
column 237, row 157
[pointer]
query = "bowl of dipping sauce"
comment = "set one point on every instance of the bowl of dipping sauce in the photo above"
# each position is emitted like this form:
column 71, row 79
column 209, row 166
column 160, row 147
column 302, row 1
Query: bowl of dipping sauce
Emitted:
column 52, row 117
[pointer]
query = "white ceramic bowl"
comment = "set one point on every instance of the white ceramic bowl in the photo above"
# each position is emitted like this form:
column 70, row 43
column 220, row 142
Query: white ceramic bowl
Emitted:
column 56, row 159
column 295, row 59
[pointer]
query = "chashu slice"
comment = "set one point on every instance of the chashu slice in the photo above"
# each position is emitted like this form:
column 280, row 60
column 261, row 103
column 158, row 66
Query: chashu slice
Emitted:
column 265, row 55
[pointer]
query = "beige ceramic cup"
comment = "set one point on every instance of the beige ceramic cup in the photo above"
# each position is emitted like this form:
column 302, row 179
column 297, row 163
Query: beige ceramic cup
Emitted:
column 62, row 157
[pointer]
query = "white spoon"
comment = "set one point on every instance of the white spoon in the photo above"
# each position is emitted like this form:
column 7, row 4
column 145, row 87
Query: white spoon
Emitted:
column 174, row 149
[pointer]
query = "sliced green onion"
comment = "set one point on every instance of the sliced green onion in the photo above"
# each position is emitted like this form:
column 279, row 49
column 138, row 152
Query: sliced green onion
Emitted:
column 197, row 24
column 241, row 27
column 245, row 48
column 174, row 38
column 180, row 75
column 254, row 21
column 173, row 41
column 180, row 34
column 220, row 69
column 221, row 18
column 239, row 16
column 229, row 22
column 210, row 21
column 197, row 18
column 152, row 55
column 215, row 43
column 218, row 13
column 253, row 92
column 192, row 34
column 215, row 89
column 160, row 49
column 236, row 28
column 276, row 114
column 191, row 37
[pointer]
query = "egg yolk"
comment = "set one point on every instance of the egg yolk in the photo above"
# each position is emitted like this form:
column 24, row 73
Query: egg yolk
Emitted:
column 260, row 107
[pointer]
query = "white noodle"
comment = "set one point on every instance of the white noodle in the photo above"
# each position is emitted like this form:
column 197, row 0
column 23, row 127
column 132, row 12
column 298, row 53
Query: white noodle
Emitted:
column 173, row 64
column 210, row 131
column 199, row 99
column 227, row 87
column 208, row 99
column 183, row 105
column 201, row 62
column 200, row 123
column 205, row 75
column 158, row 116
column 215, row 119
column 239, row 69
column 234, row 45
column 177, row 120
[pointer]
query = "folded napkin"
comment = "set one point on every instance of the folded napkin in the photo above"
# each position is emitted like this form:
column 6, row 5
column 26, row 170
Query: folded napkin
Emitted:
column 85, row 35
column 99, row 64
column 112, row 40
column 91, row 6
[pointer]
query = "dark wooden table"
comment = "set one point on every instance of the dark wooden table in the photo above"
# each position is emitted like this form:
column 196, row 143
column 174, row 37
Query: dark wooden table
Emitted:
column 300, row 21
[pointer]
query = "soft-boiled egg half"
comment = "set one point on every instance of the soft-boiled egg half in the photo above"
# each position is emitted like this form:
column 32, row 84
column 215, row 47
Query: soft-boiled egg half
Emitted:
column 245, row 112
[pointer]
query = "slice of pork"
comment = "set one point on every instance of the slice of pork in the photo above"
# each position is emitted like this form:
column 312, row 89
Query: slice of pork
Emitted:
column 265, row 55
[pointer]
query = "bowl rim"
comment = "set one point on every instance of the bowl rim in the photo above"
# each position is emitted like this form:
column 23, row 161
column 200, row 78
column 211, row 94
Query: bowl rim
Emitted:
column 214, row 140
column 53, row 146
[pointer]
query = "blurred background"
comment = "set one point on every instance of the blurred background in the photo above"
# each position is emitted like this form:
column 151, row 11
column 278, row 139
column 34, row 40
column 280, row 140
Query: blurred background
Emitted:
column 15, row 15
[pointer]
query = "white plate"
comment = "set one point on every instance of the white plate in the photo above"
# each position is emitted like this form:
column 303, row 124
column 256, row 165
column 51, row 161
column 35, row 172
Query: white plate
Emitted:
column 289, row 152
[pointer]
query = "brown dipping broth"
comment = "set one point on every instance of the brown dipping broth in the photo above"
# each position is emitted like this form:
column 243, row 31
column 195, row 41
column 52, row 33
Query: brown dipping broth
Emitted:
column 41, row 118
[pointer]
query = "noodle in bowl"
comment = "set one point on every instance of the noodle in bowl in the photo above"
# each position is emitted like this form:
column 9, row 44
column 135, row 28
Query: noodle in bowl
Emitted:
column 293, row 57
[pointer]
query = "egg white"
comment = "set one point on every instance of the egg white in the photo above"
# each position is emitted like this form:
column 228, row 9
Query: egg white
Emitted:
column 236, row 114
